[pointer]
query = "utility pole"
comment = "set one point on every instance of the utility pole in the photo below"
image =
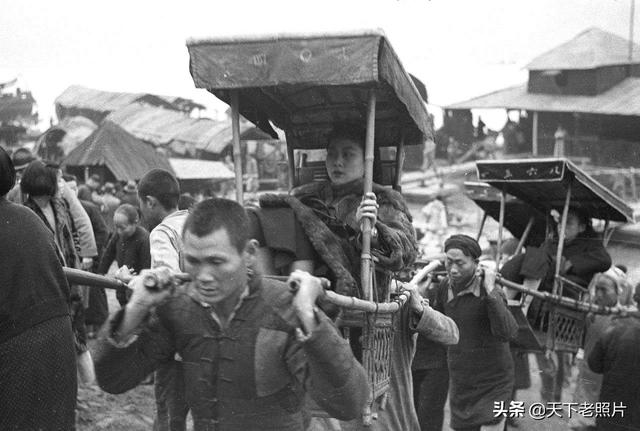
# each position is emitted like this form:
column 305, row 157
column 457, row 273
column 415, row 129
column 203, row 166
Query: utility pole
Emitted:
column 633, row 7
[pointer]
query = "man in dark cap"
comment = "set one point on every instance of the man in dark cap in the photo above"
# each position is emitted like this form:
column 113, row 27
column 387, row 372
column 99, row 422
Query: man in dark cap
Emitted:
column 480, row 365
column 20, row 159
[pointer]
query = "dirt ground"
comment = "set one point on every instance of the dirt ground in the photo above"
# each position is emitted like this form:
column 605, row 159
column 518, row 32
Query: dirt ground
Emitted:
column 97, row 410
column 100, row 411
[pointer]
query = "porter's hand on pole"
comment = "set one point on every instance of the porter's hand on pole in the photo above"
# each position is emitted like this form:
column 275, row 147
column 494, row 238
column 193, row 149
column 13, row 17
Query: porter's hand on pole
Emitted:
column 489, row 279
column 143, row 298
column 149, row 289
column 368, row 209
column 87, row 263
column 307, row 290
column 416, row 301
column 124, row 274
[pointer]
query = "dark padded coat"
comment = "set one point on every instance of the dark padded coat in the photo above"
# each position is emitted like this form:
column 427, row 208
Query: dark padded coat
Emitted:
column 37, row 356
column 249, row 376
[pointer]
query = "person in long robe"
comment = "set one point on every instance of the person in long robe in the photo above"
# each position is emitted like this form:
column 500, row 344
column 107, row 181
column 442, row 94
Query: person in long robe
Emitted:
column 480, row 365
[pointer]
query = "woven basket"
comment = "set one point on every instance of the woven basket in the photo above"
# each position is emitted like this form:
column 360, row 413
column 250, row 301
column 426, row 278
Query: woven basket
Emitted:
column 564, row 327
column 371, row 337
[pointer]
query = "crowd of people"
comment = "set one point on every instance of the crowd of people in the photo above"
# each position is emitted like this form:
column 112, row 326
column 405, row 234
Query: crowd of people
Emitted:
column 235, row 347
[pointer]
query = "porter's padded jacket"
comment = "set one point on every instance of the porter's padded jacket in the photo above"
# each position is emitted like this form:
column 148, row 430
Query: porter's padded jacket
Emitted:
column 250, row 376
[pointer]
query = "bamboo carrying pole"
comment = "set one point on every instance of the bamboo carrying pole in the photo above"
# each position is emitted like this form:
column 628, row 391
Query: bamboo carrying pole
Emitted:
column 354, row 303
column 561, row 236
column 557, row 284
column 293, row 178
column 563, row 300
column 482, row 223
column 77, row 276
column 237, row 153
column 534, row 137
column 631, row 16
column 525, row 234
column 399, row 163
column 503, row 201
column 368, row 187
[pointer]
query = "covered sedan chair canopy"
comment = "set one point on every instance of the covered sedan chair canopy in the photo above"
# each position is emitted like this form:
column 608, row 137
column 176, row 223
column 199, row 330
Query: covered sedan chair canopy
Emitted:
column 305, row 84
column 124, row 155
column 544, row 183
column 517, row 213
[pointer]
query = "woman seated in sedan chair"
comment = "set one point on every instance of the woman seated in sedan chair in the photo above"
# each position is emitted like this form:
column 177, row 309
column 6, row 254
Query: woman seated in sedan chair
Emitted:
column 318, row 226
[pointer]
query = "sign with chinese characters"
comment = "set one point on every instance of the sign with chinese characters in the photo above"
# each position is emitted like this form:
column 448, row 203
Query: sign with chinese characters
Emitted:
column 536, row 170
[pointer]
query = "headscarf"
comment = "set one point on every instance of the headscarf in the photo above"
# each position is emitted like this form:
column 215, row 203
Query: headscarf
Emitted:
column 613, row 274
column 465, row 243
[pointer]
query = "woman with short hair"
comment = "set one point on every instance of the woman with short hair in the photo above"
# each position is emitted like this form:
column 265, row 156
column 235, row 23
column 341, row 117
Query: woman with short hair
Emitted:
column 40, row 183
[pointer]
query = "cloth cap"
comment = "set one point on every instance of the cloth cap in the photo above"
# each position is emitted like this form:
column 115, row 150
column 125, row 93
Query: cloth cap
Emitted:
column 21, row 158
column 465, row 243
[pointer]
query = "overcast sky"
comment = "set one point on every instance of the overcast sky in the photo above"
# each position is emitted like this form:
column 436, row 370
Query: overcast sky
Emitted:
column 459, row 48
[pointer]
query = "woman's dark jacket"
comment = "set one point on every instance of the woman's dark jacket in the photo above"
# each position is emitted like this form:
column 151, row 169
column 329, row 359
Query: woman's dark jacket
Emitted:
column 616, row 355
column 33, row 287
column 133, row 251
column 37, row 356
column 480, row 365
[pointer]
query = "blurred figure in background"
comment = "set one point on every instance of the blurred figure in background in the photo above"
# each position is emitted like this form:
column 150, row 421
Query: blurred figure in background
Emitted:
column 89, row 190
column 129, row 194
column 96, row 304
column 84, row 237
column 605, row 289
column 93, row 211
column 435, row 226
column 129, row 246
column 37, row 357
column 186, row 201
column 20, row 159
column 109, row 204
column 625, row 296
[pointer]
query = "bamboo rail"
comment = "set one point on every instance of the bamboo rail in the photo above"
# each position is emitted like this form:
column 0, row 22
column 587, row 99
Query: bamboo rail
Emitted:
column 575, row 304
column 77, row 276
column 354, row 303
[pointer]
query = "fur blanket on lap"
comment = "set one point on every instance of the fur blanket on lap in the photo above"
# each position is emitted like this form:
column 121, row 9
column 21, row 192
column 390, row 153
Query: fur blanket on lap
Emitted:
column 328, row 245
column 394, row 249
